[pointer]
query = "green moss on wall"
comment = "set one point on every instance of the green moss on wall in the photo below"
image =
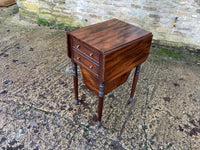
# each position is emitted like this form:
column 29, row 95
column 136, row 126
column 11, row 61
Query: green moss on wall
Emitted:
column 43, row 22
column 164, row 52
column 61, row 26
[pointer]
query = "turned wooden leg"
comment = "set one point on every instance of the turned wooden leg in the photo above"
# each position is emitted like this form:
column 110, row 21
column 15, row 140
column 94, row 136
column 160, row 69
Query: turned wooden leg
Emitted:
column 135, row 79
column 75, row 77
column 100, row 106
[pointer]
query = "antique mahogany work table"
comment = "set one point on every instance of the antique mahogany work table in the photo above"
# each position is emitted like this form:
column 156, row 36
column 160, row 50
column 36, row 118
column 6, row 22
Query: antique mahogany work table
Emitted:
column 106, row 53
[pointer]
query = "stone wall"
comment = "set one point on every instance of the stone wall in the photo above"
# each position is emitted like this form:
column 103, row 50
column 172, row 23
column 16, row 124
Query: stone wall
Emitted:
column 156, row 16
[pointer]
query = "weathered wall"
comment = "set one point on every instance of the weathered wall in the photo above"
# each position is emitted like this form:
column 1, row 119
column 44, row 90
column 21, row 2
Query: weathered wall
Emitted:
column 156, row 16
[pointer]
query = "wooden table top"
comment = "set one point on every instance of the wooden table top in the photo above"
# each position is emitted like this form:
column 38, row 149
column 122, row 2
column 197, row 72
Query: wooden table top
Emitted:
column 109, row 35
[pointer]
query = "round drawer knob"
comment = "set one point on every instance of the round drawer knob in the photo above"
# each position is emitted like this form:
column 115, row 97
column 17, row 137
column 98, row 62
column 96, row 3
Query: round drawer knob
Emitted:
column 78, row 46
column 91, row 66
column 91, row 54
column 78, row 58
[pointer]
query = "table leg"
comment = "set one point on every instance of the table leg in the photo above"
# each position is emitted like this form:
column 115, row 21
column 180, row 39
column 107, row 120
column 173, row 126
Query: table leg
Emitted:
column 135, row 79
column 100, row 106
column 75, row 77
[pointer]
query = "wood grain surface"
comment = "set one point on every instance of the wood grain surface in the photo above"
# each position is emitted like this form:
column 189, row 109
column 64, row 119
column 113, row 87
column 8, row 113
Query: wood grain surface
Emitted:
column 109, row 35
column 119, row 62
column 107, row 52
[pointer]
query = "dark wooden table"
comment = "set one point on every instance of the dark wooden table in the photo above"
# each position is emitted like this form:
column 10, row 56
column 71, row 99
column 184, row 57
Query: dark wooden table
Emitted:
column 106, row 53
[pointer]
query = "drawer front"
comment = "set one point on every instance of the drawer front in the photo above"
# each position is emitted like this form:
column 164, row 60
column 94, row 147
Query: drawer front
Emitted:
column 85, row 50
column 82, row 60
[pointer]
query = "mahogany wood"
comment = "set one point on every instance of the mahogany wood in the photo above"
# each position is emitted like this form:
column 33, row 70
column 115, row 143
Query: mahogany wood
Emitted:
column 106, row 53
column 109, row 35
column 114, row 83
column 100, row 106
column 85, row 62
column 135, row 79
column 85, row 50
column 91, row 81
column 75, row 77
column 128, row 58
column 68, row 38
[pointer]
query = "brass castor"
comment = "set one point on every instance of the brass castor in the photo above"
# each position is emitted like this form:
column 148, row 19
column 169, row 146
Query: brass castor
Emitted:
column 76, row 101
column 99, row 123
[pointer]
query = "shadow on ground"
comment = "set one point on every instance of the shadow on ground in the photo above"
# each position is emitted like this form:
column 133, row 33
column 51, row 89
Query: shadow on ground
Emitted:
column 36, row 97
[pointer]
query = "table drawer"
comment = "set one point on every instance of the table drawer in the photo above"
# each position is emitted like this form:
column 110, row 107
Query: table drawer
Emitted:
column 89, row 52
column 82, row 60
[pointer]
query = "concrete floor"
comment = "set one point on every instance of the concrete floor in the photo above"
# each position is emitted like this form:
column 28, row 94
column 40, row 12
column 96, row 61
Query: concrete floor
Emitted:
column 36, row 98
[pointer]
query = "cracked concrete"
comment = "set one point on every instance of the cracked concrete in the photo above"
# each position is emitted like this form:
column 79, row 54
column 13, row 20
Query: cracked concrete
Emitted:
column 36, row 98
